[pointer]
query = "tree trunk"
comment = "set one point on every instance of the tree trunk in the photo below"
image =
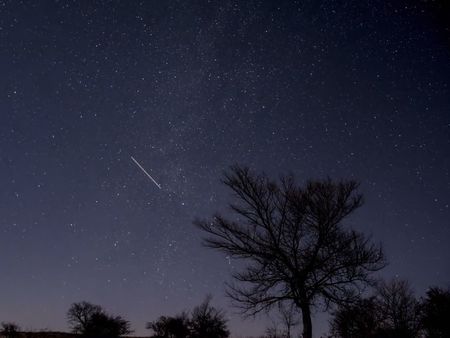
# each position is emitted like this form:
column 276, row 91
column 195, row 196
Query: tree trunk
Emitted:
column 306, row 319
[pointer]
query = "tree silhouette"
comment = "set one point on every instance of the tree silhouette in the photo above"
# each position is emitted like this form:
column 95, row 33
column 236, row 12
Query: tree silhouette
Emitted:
column 295, row 242
column 436, row 313
column 359, row 319
column 91, row 321
column 207, row 321
column 282, row 326
column 399, row 310
column 102, row 325
column 80, row 314
column 273, row 332
column 288, row 315
column 9, row 330
column 170, row 327
column 393, row 311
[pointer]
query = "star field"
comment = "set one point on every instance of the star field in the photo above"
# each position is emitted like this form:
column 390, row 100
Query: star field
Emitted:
column 318, row 88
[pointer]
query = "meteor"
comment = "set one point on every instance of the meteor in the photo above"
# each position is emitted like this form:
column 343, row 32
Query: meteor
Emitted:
column 145, row 172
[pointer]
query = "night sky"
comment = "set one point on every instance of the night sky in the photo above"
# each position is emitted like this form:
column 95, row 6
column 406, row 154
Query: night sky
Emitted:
column 346, row 89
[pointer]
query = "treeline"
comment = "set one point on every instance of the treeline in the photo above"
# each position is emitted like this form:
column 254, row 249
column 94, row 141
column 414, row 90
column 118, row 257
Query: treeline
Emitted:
column 393, row 311
column 92, row 321
column 204, row 321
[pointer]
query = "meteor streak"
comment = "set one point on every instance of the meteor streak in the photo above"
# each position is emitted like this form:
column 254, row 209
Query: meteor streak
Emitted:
column 145, row 172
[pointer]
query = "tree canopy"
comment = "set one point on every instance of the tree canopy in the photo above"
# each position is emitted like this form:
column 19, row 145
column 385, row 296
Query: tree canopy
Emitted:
column 295, row 242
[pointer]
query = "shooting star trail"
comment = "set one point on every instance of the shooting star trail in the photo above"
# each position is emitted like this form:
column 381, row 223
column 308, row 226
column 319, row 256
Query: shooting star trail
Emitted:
column 145, row 172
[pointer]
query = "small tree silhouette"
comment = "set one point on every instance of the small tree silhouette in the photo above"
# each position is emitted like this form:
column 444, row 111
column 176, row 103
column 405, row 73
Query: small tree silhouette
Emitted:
column 436, row 313
column 80, row 314
column 288, row 316
column 102, row 325
column 283, row 323
column 170, row 327
column 91, row 321
column 360, row 319
column 207, row 321
column 9, row 330
column 399, row 310
column 293, row 238
column 393, row 311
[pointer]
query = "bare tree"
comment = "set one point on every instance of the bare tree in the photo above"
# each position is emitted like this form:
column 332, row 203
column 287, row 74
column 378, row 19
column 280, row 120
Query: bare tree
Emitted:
column 295, row 242
column 170, row 327
column 283, row 323
column 80, row 314
column 436, row 313
column 288, row 316
column 392, row 311
column 400, row 311
column 208, row 321
column 103, row 325
column 272, row 332
column 90, row 320
column 359, row 319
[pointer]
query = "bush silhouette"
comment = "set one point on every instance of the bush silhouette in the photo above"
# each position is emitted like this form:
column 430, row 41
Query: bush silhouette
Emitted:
column 9, row 330
column 206, row 321
column 170, row 327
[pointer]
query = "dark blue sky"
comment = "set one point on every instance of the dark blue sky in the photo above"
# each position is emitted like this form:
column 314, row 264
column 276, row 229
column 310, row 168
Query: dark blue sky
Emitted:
column 348, row 89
